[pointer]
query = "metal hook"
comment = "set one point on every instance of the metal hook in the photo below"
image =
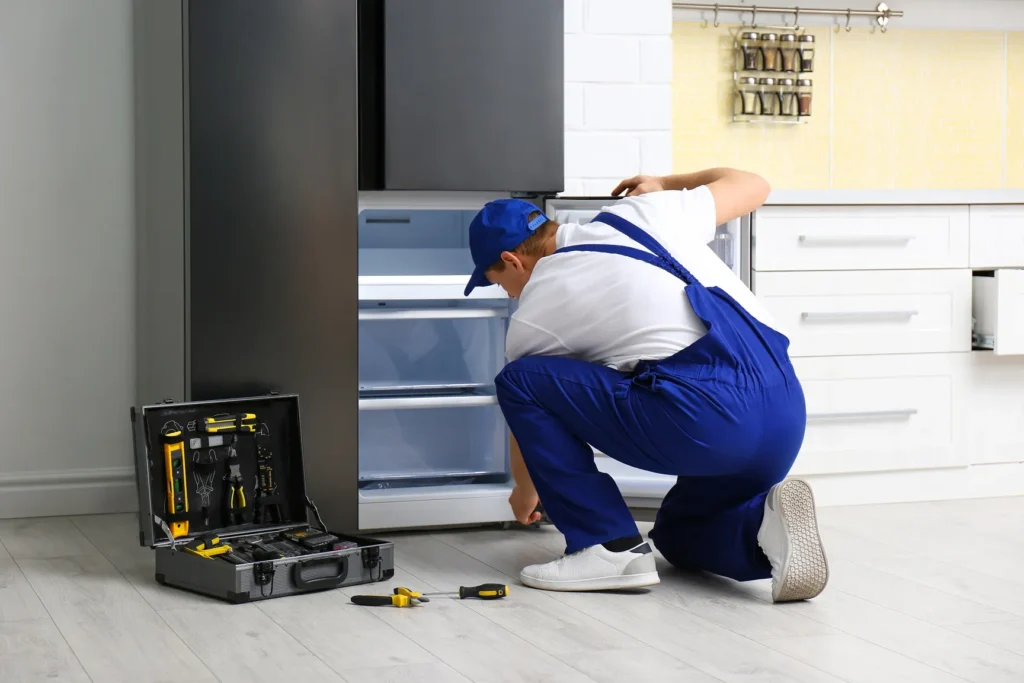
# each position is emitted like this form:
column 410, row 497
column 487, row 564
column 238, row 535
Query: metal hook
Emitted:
column 753, row 18
column 716, row 15
column 704, row 22
column 848, row 29
column 796, row 18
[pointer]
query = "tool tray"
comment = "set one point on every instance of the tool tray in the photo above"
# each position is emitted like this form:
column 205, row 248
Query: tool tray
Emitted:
column 189, row 457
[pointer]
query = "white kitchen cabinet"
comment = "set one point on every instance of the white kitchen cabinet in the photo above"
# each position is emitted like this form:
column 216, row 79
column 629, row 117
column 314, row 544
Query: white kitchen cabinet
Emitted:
column 998, row 304
column 997, row 237
column 877, row 413
column 870, row 312
column 830, row 238
column 995, row 415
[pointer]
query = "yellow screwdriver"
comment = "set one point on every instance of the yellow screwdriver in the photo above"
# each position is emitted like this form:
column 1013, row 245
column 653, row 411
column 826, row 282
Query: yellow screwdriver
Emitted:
column 485, row 591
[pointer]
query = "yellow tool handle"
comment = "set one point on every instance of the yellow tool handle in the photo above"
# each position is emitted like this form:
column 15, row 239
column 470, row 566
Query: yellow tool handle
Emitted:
column 177, row 494
column 382, row 600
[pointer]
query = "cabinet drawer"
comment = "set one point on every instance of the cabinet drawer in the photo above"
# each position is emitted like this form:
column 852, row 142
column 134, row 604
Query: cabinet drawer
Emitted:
column 997, row 237
column 998, row 301
column 872, row 312
column 860, row 237
column 881, row 412
column 425, row 350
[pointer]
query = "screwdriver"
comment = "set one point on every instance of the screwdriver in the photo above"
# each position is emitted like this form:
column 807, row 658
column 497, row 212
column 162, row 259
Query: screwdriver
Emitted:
column 485, row 591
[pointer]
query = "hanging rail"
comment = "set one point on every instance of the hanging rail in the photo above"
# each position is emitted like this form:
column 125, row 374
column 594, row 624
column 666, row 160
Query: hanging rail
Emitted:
column 882, row 13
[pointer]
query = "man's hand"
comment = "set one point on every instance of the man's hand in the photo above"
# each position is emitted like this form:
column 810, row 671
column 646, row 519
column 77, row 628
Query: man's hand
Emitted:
column 524, row 502
column 640, row 184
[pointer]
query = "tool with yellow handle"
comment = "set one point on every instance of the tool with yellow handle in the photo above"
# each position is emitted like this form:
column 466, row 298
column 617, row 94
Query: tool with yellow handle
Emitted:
column 208, row 546
column 385, row 600
column 177, row 493
column 485, row 591
column 242, row 422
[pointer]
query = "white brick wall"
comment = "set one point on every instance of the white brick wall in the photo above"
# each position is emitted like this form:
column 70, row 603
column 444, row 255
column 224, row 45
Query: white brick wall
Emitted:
column 618, row 92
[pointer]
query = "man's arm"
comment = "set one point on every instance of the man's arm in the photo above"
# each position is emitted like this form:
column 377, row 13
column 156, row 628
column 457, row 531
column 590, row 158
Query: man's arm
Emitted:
column 736, row 193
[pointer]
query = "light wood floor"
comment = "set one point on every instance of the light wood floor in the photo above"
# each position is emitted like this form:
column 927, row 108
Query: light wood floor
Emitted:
column 928, row 592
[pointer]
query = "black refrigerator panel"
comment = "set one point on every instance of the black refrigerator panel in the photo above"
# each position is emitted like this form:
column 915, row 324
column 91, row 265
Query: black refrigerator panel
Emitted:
column 272, row 235
column 461, row 95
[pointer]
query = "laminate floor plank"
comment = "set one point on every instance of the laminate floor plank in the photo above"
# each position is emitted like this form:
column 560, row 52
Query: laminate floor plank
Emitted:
column 43, row 537
column 241, row 644
column 33, row 651
column 114, row 633
column 929, row 644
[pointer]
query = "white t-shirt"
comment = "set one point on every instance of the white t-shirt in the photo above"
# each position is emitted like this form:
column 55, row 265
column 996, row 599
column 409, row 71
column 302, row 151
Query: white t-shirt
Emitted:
column 615, row 310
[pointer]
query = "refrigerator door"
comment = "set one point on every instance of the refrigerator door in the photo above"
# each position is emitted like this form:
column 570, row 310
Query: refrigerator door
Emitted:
column 732, row 244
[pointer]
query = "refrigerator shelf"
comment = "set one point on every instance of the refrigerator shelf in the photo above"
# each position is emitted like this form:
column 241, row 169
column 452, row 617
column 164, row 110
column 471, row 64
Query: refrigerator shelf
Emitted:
column 427, row 402
column 431, row 313
column 400, row 390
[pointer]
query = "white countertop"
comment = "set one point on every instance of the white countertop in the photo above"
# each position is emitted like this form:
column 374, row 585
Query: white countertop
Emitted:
column 893, row 197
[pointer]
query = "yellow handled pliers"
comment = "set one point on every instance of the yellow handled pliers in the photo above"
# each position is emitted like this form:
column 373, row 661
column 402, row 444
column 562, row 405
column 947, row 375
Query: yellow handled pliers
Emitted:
column 403, row 597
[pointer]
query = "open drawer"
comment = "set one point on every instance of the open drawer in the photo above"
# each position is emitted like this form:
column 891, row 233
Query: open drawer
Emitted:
column 418, row 348
column 431, row 440
column 998, row 300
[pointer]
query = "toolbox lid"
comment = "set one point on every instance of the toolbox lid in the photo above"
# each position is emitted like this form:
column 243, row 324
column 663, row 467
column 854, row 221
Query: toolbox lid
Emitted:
column 207, row 450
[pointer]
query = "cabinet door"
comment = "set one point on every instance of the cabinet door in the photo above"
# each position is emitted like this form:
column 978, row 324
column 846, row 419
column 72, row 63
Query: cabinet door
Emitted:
column 469, row 94
column 997, row 237
column 996, row 415
column 878, row 413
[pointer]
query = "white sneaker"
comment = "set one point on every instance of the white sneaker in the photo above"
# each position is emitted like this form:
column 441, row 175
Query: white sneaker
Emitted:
column 789, row 537
column 594, row 569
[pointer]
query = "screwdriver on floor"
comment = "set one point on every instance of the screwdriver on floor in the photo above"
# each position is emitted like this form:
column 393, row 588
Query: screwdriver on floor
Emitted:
column 485, row 591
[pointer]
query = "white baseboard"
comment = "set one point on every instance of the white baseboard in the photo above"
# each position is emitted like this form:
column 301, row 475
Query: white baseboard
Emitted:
column 67, row 492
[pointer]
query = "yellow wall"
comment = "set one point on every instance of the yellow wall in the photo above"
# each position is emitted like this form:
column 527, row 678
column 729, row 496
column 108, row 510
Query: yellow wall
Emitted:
column 1015, row 110
column 901, row 110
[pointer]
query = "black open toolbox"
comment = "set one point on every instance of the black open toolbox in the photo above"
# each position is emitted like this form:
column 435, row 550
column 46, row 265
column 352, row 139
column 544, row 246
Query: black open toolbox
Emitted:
column 278, row 543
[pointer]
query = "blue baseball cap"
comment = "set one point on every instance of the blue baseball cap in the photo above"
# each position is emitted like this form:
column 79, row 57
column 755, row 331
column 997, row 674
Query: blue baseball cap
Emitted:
column 502, row 225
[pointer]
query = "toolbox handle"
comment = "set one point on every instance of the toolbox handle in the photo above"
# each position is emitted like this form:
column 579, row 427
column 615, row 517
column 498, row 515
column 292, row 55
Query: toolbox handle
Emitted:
column 326, row 582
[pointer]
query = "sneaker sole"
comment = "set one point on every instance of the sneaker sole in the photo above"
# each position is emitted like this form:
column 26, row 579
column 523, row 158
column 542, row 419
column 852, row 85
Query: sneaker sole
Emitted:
column 805, row 572
column 604, row 583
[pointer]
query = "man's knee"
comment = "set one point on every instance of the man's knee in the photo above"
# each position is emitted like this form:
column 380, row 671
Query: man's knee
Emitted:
column 511, row 381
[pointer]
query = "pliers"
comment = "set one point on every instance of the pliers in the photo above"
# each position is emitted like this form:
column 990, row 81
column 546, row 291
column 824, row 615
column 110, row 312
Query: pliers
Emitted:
column 403, row 597
column 236, row 495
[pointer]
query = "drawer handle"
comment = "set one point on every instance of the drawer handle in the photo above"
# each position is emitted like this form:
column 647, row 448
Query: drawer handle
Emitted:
column 856, row 241
column 423, row 402
column 390, row 221
column 432, row 313
column 904, row 414
column 857, row 316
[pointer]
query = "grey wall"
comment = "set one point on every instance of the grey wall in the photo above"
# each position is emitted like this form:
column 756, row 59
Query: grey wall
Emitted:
column 66, row 256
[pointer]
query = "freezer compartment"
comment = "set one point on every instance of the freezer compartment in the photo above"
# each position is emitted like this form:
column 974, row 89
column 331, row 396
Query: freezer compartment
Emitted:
column 425, row 441
column 429, row 347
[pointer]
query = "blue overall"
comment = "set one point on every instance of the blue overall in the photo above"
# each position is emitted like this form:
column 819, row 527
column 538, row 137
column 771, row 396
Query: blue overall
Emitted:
column 725, row 415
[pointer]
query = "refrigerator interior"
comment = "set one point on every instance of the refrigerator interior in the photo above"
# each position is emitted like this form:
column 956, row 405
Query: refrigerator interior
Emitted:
column 433, row 446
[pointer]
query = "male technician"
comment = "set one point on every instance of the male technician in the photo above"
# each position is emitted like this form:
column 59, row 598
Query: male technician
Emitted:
column 633, row 338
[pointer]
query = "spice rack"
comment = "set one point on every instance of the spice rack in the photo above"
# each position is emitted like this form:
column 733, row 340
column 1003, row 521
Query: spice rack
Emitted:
column 772, row 75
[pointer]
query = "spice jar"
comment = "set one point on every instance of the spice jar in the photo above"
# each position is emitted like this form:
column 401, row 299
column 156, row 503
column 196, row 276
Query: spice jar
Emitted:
column 787, row 97
column 769, row 52
column 803, row 94
column 806, row 53
column 750, row 44
column 789, row 52
column 769, row 97
column 749, row 95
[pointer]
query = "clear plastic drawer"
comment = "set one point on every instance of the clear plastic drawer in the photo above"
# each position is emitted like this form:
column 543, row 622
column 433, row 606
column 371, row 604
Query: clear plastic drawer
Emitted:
column 429, row 349
column 431, row 440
